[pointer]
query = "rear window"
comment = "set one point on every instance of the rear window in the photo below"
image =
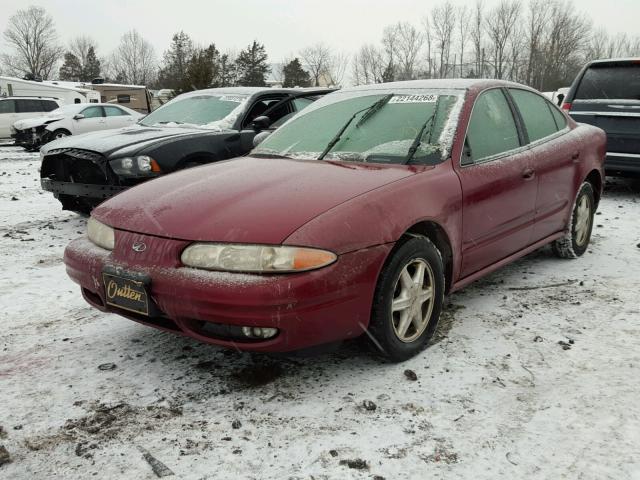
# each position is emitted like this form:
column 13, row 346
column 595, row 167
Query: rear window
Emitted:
column 620, row 82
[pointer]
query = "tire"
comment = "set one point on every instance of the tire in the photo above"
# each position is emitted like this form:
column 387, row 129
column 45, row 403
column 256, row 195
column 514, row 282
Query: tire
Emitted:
column 395, row 333
column 60, row 133
column 576, row 240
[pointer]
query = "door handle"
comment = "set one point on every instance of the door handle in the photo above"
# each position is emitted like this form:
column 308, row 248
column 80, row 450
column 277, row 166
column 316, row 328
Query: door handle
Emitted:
column 575, row 157
column 528, row 174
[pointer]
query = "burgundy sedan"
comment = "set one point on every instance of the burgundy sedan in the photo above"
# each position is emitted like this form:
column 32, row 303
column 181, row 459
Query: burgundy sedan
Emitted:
column 355, row 217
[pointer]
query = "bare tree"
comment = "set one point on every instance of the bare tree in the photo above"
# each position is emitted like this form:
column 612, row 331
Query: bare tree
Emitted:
column 317, row 59
column 409, row 42
column 134, row 61
column 32, row 35
column 368, row 65
column 538, row 18
column 443, row 22
column 336, row 68
column 567, row 37
column 464, row 19
column 477, row 37
column 324, row 65
column 500, row 24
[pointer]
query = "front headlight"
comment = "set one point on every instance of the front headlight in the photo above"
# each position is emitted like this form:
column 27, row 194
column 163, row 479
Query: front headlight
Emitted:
column 100, row 234
column 134, row 166
column 255, row 258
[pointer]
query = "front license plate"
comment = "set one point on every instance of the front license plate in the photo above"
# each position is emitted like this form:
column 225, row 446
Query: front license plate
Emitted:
column 126, row 293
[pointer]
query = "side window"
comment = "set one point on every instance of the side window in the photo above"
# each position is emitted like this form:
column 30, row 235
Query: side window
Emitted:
column 92, row 112
column 8, row 106
column 49, row 105
column 29, row 106
column 561, row 121
column 261, row 106
column 535, row 114
column 114, row 112
column 124, row 99
column 492, row 129
column 302, row 102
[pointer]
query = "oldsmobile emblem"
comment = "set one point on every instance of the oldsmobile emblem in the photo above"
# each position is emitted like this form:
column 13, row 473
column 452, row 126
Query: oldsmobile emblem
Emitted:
column 139, row 247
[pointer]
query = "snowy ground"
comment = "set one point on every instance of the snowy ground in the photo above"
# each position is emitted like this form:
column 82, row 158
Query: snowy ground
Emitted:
column 497, row 395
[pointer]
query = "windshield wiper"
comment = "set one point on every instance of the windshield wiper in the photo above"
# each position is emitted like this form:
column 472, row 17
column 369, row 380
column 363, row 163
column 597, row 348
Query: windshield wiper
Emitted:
column 370, row 111
column 418, row 140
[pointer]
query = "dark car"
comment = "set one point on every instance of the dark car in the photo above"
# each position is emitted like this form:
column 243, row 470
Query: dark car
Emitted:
column 606, row 94
column 194, row 128
column 354, row 218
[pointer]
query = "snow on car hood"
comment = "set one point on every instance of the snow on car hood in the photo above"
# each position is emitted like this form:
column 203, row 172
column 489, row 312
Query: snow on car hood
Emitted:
column 247, row 200
column 36, row 121
column 123, row 141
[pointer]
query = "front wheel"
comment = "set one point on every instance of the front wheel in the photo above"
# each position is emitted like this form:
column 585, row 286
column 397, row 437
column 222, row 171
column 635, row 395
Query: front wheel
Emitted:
column 408, row 300
column 60, row 133
column 576, row 241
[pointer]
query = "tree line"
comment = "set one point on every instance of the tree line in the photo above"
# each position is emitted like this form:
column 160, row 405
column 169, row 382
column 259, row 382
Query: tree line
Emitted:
column 542, row 43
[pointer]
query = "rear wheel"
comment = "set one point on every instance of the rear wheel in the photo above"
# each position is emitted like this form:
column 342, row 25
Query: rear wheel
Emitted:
column 576, row 241
column 408, row 300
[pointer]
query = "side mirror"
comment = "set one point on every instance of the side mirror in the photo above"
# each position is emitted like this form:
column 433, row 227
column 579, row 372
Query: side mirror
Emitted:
column 261, row 123
column 78, row 116
column 259, row 138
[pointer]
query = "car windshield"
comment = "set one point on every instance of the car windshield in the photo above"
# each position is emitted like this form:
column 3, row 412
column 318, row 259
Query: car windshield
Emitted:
column 205, row 111
column 620, row 82
column 384, row 133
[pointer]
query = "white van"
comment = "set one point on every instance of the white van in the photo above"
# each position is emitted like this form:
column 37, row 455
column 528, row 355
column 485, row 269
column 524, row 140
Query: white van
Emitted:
column 16, row 87
column 13, row 109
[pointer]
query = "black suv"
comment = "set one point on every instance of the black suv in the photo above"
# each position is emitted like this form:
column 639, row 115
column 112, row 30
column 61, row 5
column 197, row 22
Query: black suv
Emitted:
column 192, row 129
column 606, row 93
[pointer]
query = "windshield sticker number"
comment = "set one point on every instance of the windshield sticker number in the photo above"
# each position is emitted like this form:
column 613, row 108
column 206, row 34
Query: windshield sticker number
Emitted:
column 233, row 98
column 414, row 99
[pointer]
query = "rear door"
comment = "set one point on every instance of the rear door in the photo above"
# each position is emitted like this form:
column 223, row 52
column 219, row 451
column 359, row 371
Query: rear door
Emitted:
column 8, row 116
column 607, row 95
column 28, row 108
column 554, row 157
column 93, row 120
column 117, row 117
column 498, row 183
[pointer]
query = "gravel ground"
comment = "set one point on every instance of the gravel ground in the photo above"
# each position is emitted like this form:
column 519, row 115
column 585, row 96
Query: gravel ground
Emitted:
column 534, row 373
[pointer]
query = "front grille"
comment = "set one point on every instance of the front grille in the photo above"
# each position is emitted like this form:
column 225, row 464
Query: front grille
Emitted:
column 74, row 165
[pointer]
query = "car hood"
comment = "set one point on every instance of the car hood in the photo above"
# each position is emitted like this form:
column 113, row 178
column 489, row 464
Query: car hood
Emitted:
column 125, row 141
column 35, row 122
column 246, row 200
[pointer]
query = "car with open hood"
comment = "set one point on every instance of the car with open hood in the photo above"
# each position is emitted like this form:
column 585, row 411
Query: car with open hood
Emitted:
column 67, row 120
column 194, row 128
column 355, row 218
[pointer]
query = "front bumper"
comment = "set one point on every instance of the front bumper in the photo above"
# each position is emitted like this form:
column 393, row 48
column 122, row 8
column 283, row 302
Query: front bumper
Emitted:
column 88, row 190
column 622, row 164
column 310, row 308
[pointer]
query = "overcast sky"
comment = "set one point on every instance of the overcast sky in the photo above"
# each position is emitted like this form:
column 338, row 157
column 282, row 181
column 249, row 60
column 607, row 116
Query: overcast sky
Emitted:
column 284, row 26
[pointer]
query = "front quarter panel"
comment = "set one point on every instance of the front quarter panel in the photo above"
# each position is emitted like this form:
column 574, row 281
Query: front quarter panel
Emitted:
column 383, row 215
column 208, row 147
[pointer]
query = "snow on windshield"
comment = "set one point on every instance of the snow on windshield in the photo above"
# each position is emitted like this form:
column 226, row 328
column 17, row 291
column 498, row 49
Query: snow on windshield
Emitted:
column 218, row 112
column 385, row 134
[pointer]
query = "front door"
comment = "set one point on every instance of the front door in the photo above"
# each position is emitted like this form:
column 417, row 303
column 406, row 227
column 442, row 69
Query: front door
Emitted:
column 93, row 120
column 498, row 183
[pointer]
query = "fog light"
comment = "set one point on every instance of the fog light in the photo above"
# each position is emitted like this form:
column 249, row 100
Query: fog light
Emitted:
column 259, row 332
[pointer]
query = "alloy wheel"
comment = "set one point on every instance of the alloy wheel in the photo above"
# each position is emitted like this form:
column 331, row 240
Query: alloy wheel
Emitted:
column 413, row 300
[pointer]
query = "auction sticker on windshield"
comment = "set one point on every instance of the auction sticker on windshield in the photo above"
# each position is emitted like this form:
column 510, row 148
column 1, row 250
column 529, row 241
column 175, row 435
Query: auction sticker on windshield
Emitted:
column 414, row 99
column 233, row 98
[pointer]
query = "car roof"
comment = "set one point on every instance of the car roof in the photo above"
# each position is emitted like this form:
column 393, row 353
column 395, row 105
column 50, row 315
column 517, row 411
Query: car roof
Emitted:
column 439, row 84
column 254, row 90
column 20, row 97
column 623, row 60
